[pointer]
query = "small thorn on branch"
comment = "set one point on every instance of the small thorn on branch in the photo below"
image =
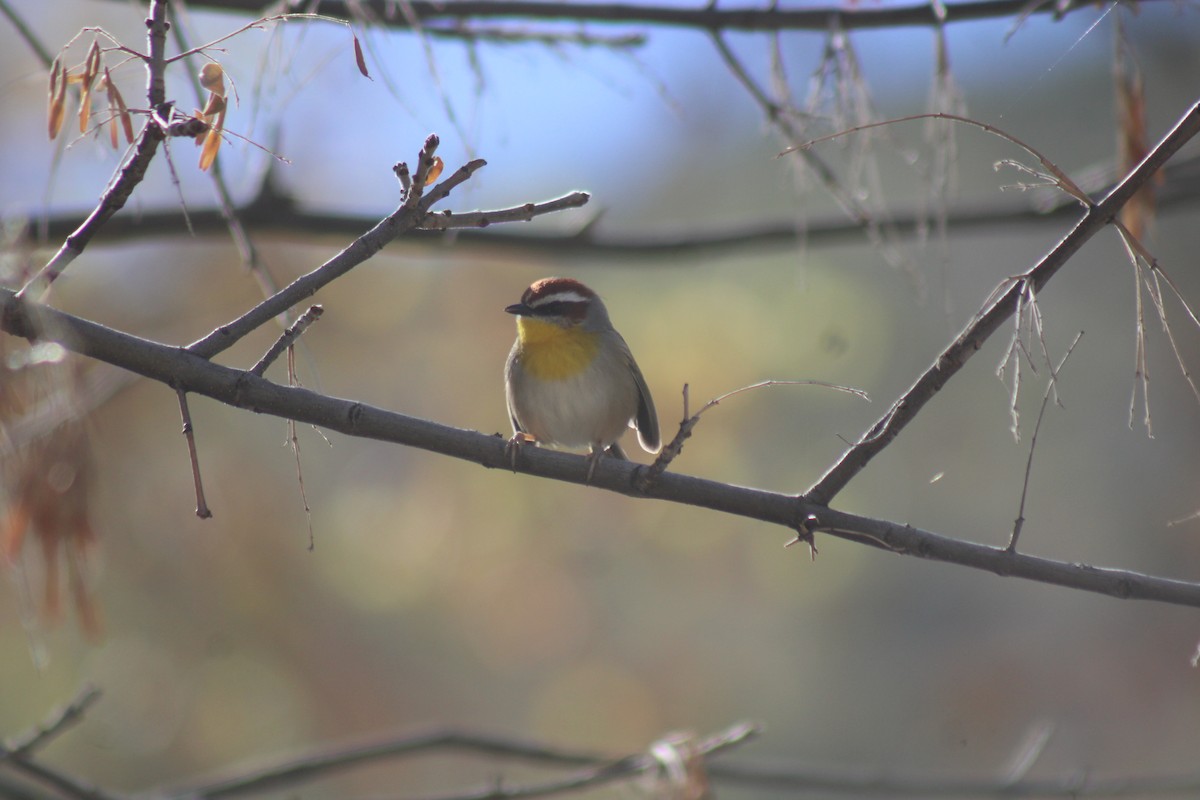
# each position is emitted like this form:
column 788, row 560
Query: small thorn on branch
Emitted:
column 202, row 510
column 287, row 339
column 804, row 534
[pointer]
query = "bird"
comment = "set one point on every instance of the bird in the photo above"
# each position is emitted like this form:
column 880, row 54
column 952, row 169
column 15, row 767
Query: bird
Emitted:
column 570, row 379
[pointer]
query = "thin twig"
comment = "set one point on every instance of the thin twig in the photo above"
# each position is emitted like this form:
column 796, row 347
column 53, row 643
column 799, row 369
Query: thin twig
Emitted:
column 1051, row 382
column 323, row 762
column 62, row 719
column 1139, row 255
column 1030, row 749
column 247, row 250
column 779, row 117
column 66, row 785
column 1141, row 368
column 672, row 449
column 202, row 510
column 294, row 440
column 287, row 338
column 1054, row 175
column 262, row 23
column 17, row 755
column 482, row 219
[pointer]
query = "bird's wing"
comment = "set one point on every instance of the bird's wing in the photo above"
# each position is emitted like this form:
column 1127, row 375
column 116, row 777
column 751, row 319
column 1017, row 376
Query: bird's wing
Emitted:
column 647, row 417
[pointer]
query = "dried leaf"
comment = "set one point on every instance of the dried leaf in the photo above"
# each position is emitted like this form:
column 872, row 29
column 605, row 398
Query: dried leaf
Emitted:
column 212, row 78
column 54, row 76
column 85, row 111
column 122, row 111
column 435, row 170
column 212, row 143
column 58, row 96
column 1133, row 143
column 358, row 56
column 214, row 106
column 92, row 64
column 46, row 482
column 113, row 124
column 91, row 68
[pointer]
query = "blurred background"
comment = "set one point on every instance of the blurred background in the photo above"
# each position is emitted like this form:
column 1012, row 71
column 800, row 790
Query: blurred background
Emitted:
column 442, row 594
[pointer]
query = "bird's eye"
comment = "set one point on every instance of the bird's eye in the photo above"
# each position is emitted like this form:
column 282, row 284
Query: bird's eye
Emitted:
column 554, row 309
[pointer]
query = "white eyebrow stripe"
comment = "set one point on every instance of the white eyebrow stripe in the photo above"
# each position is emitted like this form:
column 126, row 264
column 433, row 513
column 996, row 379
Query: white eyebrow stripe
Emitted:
column 569, row 296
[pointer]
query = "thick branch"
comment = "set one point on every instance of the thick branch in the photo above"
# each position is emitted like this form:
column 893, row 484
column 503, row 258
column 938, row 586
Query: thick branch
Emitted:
column 272, row 211
column 189, row 372
column 706, row 16
column 987, row 322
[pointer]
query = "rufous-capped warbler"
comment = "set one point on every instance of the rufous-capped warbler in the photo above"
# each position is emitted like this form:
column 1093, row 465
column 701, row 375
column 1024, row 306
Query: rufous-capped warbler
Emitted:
column 570, row 379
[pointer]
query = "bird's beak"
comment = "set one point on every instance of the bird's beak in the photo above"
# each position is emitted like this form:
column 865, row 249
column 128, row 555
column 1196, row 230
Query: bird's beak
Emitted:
column 520, row 309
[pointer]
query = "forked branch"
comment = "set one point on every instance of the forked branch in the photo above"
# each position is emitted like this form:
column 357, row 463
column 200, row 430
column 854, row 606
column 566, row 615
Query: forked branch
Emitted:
column 989, row 320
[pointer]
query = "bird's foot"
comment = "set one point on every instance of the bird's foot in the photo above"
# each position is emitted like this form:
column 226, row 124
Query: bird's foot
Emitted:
column 513, row 448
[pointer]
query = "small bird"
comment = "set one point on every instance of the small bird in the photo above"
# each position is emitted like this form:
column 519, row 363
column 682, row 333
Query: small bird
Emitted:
column 570, row 379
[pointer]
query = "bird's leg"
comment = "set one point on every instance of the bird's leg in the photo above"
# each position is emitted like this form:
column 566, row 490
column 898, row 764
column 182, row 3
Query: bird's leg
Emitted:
column 594, row 457
column 514, row 446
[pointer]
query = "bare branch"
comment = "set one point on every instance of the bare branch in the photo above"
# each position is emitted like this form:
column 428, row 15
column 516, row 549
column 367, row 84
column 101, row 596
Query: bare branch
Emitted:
column 192, row 373
column 61, row 720
column 706, row 17
column 482, row 219
column 600, row 770
column 990, row 319
column 272, row 211
column 17, row 755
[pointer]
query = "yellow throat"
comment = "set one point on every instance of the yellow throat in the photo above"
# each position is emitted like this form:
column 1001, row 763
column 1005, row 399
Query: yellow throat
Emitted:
column 554, row 353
